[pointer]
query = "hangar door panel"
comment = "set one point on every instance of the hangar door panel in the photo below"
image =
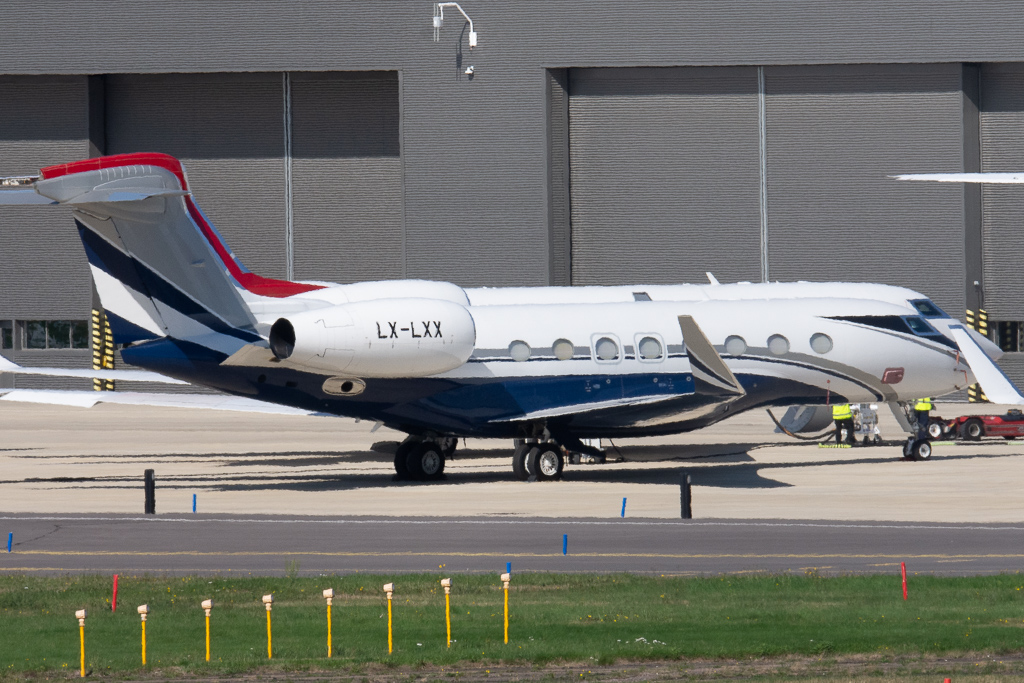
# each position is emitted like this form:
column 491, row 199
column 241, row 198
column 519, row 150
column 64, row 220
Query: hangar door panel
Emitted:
column 664, row 174
column 1002, row 149
column 228, row 130
column 44, row 274
column 833, row 135
column 346, row 176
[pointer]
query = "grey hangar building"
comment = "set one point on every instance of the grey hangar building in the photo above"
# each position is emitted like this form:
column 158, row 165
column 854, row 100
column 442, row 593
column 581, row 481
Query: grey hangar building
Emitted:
column 590, row 143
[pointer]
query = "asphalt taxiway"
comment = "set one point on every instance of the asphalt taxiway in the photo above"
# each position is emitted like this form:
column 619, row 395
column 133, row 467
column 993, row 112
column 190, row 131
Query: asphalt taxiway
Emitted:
column 271, row 490
column 312, row 546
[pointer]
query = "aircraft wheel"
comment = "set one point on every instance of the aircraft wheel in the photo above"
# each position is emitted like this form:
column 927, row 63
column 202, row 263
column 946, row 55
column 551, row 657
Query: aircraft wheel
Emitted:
column 935, row 429
column 519, row 460
column 921, row 450
column 973, row 429
column 401, row 455
column 545, row 462
column 425, row 461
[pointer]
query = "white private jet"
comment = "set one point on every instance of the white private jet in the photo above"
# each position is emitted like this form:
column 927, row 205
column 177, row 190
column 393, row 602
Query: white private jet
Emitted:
column 547, row 366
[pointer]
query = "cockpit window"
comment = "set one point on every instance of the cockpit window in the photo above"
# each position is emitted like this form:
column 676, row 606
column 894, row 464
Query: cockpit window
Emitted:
column 929, row 310
column 919, row 326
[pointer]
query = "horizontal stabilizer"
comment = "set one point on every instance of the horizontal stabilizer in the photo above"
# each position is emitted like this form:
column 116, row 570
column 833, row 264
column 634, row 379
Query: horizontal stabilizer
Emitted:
column 996, row 178
column 127, row 375
column 997, row 386
column 87, row 399
column 710, row 373
column 22, row 197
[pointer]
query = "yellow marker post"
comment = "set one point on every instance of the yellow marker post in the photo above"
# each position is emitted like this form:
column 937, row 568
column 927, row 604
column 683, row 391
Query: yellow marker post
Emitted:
column 329, row 595
column 447, row 585
column 207, row 605
column 268, row 600
column 80, row 615
column 143, row 612
column 389, row 588
column 505, row 578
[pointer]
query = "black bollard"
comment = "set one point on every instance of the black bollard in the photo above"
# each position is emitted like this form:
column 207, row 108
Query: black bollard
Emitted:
column 150, row 493
column 686, row 510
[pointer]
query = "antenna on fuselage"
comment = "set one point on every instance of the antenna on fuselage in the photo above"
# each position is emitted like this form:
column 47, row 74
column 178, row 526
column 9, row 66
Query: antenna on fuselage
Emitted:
column 712, row 280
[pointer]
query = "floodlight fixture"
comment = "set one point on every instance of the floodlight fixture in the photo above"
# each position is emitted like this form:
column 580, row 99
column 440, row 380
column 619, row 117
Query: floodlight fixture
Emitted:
column 439, row 21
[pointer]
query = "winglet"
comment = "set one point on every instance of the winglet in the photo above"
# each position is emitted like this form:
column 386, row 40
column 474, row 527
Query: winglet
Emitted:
column 710, row 373
column 997, row 386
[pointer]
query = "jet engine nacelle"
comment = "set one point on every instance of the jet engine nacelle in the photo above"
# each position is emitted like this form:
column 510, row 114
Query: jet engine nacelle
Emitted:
column 379, row 338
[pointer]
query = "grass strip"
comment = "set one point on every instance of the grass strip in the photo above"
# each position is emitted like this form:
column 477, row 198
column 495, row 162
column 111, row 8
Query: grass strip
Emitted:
column 554, row 617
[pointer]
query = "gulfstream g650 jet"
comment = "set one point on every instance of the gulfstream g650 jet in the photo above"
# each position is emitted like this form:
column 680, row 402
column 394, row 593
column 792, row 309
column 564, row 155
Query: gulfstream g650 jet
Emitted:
column 547, row 366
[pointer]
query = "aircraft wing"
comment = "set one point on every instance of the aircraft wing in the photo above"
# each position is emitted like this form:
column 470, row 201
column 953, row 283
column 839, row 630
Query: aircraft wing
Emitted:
column 710, row 373
column 87, row 399
column 997, row 178
column 131, row 375
column 997, row 386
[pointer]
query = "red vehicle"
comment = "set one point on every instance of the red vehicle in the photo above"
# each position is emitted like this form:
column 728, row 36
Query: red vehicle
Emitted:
column 972, row 427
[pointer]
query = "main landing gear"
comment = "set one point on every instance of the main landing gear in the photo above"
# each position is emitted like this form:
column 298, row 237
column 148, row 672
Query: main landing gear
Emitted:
column 423, row 459
column 538, row 461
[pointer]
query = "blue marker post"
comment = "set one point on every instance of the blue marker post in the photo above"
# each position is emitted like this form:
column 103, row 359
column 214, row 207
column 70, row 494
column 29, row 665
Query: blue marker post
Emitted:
column 10, row 540
column 508, row 567
column 623, row 507
column 565, row 544
column 194, row 503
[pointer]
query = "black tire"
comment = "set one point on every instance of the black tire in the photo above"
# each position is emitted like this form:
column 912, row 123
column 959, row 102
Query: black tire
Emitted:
column 935, row 430
column 973, row 429
column 519, row 461
column 921, row 450
column 425, row 461
column 545, row 462
column 401, row 455
column 1009, row 438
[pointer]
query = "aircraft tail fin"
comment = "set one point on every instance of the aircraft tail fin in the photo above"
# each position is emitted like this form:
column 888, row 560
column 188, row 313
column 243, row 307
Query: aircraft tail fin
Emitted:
column 160, row 267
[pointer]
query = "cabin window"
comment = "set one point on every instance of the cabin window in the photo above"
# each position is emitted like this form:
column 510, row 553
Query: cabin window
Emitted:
column 562, row 349
column 929, row 310
column 650, row 348
column 735, row 346
column 519, row 350
column 606, row 349
column 778, row 345
column 821, row 343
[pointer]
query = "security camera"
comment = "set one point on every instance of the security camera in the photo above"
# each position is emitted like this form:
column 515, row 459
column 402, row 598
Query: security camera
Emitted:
column 80, row 614
column 207, row 604
column 328, row 592
column 268, row 600
column 469, row 71
column 143, row 609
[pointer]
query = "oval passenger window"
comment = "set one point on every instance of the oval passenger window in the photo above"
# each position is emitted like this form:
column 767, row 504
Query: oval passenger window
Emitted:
column 519, row 350
column 735, row 346
column 821, row 343
column 778, row 344
column 562, row 349
column 606, row 349
column 650, row 348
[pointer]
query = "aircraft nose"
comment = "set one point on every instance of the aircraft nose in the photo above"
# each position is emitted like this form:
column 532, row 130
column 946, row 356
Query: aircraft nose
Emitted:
column 991, row 350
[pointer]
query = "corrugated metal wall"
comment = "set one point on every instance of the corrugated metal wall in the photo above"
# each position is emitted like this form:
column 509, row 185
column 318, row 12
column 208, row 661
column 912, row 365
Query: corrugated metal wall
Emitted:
column 1002, row 149
column 43, row 121
column 665, row 174
column 347, row 176
column 228, row 131
column 833, row 134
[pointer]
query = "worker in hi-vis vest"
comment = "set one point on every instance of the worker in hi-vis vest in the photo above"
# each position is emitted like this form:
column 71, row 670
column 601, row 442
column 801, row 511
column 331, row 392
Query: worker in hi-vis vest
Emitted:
column 921, row 409
column 843, row 415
